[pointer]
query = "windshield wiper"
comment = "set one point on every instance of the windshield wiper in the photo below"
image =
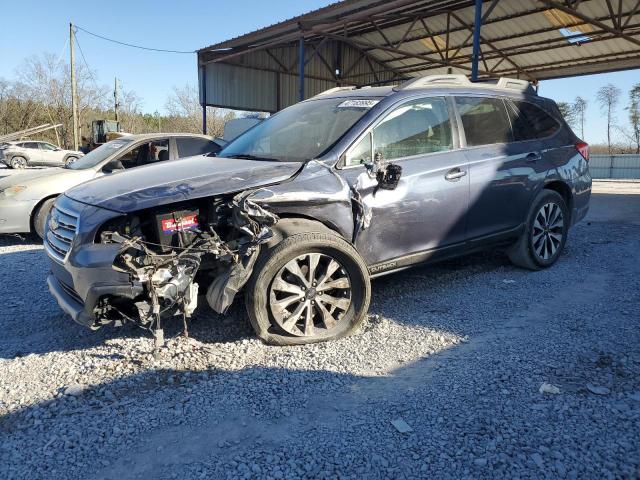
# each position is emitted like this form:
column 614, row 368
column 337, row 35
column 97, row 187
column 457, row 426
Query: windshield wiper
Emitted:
column 244, row 156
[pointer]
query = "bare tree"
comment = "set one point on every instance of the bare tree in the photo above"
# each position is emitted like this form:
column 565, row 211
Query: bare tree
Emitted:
column 608, row 97
column 634, row 115
column 47, row 84
column 185, row 113
column 579, row 108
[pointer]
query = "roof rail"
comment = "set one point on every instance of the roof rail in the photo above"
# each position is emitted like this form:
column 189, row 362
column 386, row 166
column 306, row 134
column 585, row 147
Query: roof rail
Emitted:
column 336, row 89
column 516, row 84
column 462, row 80
column 434, row 80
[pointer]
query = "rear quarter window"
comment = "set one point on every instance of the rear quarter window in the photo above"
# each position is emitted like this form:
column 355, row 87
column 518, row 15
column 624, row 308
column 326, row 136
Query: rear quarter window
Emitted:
column 188, row 147
column 531, row 122
column 484, row 120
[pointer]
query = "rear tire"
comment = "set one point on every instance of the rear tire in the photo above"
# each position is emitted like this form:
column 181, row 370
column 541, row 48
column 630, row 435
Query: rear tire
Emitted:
column 545, row 233
column 69, row 160
column 40, row 216
column 18, row 162
column 335, row 310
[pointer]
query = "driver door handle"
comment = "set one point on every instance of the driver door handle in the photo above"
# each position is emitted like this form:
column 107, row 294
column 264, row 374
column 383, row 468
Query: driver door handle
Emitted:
column 455, row 174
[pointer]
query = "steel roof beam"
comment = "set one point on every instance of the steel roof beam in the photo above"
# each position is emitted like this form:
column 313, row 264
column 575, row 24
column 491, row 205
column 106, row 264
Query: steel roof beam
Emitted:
column 509, row 50
column 561, row 43
column 603, row 26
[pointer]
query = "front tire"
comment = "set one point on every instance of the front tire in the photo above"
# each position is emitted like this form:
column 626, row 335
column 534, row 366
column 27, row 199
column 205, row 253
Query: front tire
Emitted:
column 545, row 233
column 18, row 162
column 69, row 160
column 311, row 287
column 40, row 216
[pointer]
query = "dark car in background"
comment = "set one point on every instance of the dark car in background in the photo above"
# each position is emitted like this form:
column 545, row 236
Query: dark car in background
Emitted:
column 303, row 209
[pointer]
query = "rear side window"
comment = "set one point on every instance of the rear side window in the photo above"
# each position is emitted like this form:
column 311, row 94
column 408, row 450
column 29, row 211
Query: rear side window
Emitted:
column 485, row 120
column 530, row 122
column 415, row 128
column 30, row 145
column 188, row 147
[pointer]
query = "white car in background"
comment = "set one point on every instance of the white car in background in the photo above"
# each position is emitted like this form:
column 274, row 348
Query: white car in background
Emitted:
column 30, row 153
column 27, row 197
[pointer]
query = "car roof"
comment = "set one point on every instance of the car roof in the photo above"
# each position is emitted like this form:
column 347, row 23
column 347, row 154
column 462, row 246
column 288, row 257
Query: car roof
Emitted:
column 152, row 136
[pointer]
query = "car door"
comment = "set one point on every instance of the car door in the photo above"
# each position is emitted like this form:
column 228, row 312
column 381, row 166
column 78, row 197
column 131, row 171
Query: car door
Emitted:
column 49, row 154
column 499, row 168
column 426, row 211
column 34, row 153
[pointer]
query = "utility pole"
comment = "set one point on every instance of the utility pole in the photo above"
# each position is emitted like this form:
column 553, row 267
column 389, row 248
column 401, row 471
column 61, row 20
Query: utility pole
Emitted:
column 74, row 93
column 115, row 97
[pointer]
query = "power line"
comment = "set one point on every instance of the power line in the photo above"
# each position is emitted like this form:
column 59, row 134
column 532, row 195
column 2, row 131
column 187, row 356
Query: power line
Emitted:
column 132, row 45
column 95, row 83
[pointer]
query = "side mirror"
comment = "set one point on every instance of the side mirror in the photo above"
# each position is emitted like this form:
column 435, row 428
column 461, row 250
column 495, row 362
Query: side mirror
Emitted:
column 113, row 166
column 386, row 174
column 389, row 177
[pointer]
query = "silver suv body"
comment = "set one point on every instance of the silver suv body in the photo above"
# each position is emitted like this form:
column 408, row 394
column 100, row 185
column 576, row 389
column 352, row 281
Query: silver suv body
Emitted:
column 36, row 153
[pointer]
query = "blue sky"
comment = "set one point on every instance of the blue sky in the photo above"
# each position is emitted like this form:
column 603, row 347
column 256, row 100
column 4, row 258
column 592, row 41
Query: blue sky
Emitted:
column 188, row 25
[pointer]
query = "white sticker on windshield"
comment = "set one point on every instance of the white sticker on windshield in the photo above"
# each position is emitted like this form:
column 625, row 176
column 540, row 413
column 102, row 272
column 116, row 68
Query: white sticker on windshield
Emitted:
column 116, row 145
column 363, row 103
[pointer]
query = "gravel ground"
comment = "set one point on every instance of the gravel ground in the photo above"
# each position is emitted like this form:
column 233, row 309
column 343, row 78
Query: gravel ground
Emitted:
column 457, row 351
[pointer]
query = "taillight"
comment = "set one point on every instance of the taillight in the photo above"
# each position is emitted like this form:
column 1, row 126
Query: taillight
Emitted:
column 583, row 149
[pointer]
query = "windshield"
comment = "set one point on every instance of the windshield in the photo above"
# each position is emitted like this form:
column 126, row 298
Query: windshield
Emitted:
column 96, row 156
column 300, row 132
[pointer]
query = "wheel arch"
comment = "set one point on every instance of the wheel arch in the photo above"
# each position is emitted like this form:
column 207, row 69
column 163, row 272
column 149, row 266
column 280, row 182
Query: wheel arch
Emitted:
column 292, row 223
column 70, row 154
column 565, row 192
column 36, row 207
column 20, row 154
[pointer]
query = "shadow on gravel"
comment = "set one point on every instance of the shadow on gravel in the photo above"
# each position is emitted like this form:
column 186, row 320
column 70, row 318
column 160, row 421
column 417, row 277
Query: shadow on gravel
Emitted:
column 29, row 310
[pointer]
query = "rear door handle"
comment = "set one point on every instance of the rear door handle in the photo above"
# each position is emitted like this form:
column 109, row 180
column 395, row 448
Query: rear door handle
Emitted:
column 455, row 174
column 534, row 157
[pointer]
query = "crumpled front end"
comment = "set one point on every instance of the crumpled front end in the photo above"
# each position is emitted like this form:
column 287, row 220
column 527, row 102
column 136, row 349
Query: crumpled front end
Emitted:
column 114, row 268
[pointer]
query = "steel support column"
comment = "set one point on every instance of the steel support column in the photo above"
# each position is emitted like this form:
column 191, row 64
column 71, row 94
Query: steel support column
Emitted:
column 203, row 76
column 476, row 41
column 301, row 67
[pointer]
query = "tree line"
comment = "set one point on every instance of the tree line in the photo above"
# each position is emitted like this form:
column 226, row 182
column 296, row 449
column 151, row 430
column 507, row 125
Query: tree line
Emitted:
column 620, row 138
column 41, row 93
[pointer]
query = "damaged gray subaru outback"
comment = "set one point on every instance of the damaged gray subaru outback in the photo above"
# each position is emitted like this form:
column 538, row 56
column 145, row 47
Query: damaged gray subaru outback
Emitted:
column 304, row 208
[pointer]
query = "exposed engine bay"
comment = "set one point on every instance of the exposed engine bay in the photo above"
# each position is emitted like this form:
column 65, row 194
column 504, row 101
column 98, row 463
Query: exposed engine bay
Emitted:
column 164, row 251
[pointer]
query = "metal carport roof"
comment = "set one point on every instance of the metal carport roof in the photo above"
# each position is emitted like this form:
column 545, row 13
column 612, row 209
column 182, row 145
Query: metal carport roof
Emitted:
column 365, row 42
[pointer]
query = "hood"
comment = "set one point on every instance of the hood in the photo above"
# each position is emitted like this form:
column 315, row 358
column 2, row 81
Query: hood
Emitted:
column 45, row 182
column 20, row 177
column 175, row 181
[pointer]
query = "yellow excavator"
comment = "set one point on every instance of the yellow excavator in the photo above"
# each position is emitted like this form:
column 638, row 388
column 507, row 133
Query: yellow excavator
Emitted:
column 101, row 131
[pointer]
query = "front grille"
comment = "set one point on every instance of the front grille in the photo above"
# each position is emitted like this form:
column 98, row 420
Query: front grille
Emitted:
column 61, row 230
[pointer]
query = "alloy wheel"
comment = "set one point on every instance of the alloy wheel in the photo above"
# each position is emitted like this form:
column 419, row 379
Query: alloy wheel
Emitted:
column 310, row 295
column 18, row 162
column 548, row 229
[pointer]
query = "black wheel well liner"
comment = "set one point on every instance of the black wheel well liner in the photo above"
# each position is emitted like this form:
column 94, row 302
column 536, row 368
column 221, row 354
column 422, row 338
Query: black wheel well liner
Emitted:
column 35, row 209
column 565, row 192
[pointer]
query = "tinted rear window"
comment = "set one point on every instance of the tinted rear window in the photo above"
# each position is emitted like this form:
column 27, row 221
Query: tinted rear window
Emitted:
column 188, row 147
column 485, row 120
column 530, row 122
